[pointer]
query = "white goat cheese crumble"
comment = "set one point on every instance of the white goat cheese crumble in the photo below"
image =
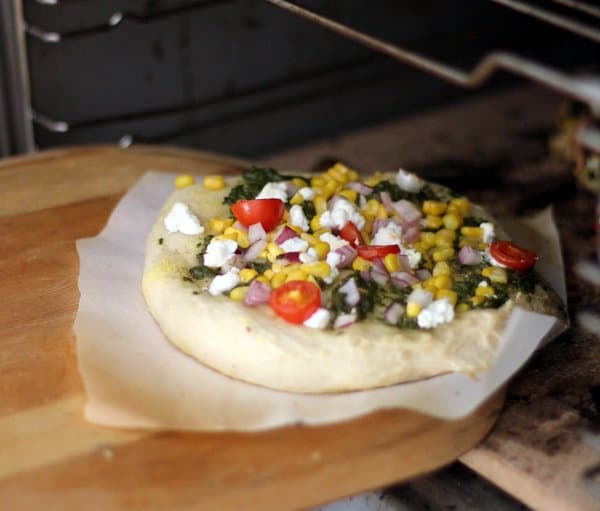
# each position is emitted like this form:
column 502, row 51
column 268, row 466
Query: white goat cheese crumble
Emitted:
column 319, row 319
column 298, row 218
column 307, row 193
column 181, row 219
column 219, row 252
column 274, row 191
column 294, row 245
column 342, row 212
column 409, row 182
column 436, row 313
column 489, row 233
column 391, row 234
column 225, row 282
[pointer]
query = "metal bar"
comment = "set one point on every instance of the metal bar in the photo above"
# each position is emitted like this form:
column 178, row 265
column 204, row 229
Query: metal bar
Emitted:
column 580, row 6
column 587, row 91
column 552, row 18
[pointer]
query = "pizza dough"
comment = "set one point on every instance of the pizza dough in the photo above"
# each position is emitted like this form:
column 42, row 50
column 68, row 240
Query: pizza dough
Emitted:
column 254, row 345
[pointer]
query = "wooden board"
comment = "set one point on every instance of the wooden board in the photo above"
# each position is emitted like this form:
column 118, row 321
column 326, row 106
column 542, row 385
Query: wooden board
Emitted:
column 51, row 458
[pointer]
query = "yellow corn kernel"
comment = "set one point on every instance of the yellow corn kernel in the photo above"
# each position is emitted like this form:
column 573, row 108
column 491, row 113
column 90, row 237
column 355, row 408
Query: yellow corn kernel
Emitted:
column 433, row 222
column 214, row 182
column 427, row 239
column 412, row 309
column 231, row 230
column 353, row 175
column 238, row 293
column 330, row 188
column 371, row 208
column 319, row 269
column 299, row 182
column 366, row 231
column 433, row 207
column 296, row 275
column 229, row 235
column 277, row 267
column 447, row 293
column 441, row 268
column 452, row 209
column 320, row 203
column 482, row 246
column 268, row 274
column 463, row 205
column 391, row 262
column 309, row 237
column 374, row 179
column 318, row 181
column 477, row 300
column 452, row 221
column 278, row 279
column 242, row 240
column 218, row 225
column 360, row 264
column 469, row 242
column 462, row 307
column 381, row 212
column 430, row 286
column 322, row 249
column 339, row 172
column 273, row 251
column 184, row 180
column 442, row 281
column 310, row 278
column 247, row 274
column 315, row 223
column 484, row 291
column 296, row 199
column 443, row 254
column 419, row 246
column 495, row 274
column 263, row 279
column 472, row 232
column 351, row 195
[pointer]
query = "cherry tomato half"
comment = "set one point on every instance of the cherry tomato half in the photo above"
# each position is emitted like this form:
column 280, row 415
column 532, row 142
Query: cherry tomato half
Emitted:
column 295, row 301
column 352, row 235
column 371, row 252
column 267, row 212
column 512, row 255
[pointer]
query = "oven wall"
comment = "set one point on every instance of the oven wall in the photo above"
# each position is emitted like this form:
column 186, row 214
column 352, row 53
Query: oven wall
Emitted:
column 241, row 76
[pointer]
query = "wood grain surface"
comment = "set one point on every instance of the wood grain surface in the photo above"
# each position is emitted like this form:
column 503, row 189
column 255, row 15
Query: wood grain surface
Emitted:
column 50, row 458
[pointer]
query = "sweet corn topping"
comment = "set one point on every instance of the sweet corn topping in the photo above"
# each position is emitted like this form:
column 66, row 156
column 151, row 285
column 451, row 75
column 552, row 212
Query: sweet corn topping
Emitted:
column 184, row 180
column 214, row 182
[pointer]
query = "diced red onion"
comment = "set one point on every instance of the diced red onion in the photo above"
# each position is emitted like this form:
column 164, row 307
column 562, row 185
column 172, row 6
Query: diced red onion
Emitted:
column 290, row 188
column 469, row 256
column 404, row 262
column 423, row 274
column 344, row 320
column 379, row 277
column 239, row 226
column 365, row 275
column 258, row 293
column 285, row 234
column 292, row 257
column 237, row 261
column 254, row 250
column 347, row 255
column 403, row 279
column 256, row 232
column 386, row 200
column 350, row 292
column 361, row 188
column 378, row 224
column 406, row 210
column 411, row 234
column 379, row 266
column 393, row 312
column 420, row 297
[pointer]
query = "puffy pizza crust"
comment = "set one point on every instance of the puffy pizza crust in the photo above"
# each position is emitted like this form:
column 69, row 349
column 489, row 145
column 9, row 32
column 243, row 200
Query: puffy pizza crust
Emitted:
column 254, row 345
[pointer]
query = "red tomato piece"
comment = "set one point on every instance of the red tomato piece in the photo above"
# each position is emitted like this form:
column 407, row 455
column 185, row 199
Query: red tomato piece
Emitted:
column 512, row 255
column 352, row 235
column 371, row 252
column 267, row 212
column 295, row 301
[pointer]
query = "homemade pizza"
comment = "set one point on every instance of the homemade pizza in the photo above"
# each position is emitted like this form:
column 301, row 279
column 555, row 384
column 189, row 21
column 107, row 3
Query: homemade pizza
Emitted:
column 334, row 282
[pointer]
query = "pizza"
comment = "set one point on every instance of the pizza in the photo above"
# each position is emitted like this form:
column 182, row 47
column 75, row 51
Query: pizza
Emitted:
column 334, row 282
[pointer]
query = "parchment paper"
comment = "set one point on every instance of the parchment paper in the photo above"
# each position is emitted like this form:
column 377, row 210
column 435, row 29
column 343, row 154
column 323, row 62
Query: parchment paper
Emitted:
column 135, row 378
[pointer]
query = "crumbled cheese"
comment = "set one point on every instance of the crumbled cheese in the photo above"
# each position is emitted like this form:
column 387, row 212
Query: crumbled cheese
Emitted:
column 219, row 252
column 342, row 212
column 274, row 191
column 333, row 241
column 310, row 256
column 307, row 193
column 298, row 218
column 344, row 320
column 181, row 219
column 489, row 233
column 436, row 313
column 294, row 245
column 409, row 182
column 490, row 258
column 391, row 234
column 319, row 319
column 414, row 256
column 225, row 282
column 483, row 283
column 333, row 259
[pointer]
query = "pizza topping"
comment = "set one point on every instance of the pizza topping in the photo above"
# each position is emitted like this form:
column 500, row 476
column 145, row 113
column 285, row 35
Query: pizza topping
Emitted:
column 258, row 293
column 294, row 244
column 469, row 256
column 181, row 219
column 344, row 320
column 225, row 282
column 393, row 312
column 350, row 292
column 372, row 252
column 274, row 191
column 298, row 218
column 295, row 301
column 409, row 182
column 436, row 313
column 341, row 213
column 512, row 255
column 488, row 232
column 319, row 319
column 219, row 252
column 267, row 212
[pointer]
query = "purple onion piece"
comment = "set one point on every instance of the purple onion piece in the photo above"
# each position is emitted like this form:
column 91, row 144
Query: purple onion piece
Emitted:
column 285, row 234
column 344, row 320
column 292, row 257
column 403, row 279
column 404, row 263
column 365, row 275
column 258, row 293
column 254, row 250
column 347, row 255
column 361, row 188
column 379, row 277
column 406, row 210
column 290, row 188
column 379, row 266
column 350, row 292
column 256, row 232
column 423, row 274
column 386, row 200
column 239, row 226
column 393, row 312
column 469, row 256
column 411, row 234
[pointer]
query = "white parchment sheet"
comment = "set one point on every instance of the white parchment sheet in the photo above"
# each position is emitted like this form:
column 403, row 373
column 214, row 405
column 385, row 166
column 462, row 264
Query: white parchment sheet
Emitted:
column 135, row 378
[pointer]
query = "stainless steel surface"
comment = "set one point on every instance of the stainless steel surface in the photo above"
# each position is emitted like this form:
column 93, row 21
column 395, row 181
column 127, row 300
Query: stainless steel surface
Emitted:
column 19, row 131
column 586, row 90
